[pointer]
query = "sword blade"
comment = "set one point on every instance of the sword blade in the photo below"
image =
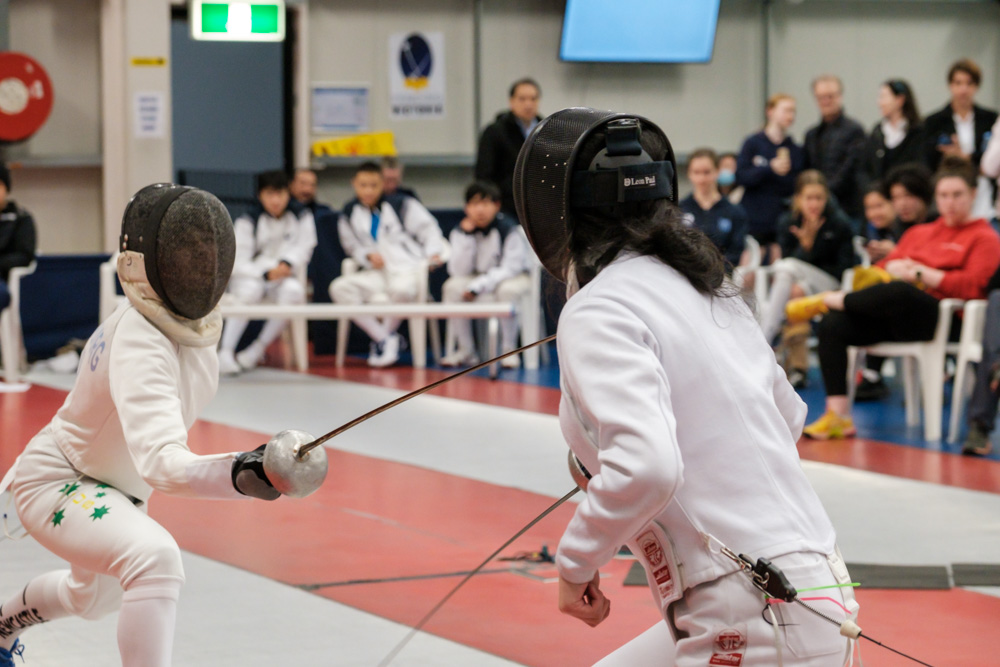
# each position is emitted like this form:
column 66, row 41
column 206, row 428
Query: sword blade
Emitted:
column 415, row 629
column 304, row 449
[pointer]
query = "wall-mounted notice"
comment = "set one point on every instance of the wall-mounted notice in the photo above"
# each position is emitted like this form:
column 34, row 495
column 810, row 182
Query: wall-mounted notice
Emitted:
column 339, row 108
column 416, row 75
column 149, row 121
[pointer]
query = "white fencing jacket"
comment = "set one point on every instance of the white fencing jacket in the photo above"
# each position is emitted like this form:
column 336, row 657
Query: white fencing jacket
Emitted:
column 404, row 239
column 674, row 402
column 494, row 254
column 263, row 241
column 126, row 421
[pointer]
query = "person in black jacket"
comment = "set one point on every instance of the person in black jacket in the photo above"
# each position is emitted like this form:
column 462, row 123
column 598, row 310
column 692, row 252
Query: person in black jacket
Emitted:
column 962, row 128
column 833, row 146
column 501, row 141
column 816, row 248
column 898, row 138
column 17, row 236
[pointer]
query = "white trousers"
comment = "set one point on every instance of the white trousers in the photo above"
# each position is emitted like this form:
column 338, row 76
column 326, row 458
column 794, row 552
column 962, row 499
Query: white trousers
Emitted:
column 788, row 272
column 724, row 622
column 376, row 286
column 288, row 291
column 112, row 546
column 510, row 290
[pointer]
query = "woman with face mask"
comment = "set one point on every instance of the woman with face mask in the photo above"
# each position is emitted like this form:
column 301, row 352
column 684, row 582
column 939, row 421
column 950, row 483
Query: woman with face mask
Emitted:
column 727, row 178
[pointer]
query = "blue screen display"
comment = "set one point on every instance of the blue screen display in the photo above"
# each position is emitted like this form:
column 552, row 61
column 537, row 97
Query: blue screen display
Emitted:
column 641, row 31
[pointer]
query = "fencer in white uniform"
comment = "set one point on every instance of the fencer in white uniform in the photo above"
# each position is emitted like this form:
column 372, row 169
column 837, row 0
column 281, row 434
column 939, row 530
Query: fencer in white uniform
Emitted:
column 82, row 484
column 490, row 261
column 672, row 399
column 274, row 243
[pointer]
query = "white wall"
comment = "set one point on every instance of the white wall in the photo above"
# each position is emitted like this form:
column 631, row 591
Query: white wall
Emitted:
column 62, row 35
column 864, row 41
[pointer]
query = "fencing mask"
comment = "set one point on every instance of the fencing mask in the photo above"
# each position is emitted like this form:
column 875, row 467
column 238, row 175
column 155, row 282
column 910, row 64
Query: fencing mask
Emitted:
column 178, row 246
column 554, row 179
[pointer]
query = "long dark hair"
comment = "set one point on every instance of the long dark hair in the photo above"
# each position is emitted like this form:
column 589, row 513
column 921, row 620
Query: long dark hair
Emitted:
column 901, row 88
column 598, row 235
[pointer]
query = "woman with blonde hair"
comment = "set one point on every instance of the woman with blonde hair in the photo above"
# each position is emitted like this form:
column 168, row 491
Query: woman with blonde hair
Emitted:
column 815, row 240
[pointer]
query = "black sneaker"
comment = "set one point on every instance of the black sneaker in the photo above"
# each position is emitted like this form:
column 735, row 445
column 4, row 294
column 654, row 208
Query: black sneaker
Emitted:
column 869, row 390
column 977, row 443
column 799, row 378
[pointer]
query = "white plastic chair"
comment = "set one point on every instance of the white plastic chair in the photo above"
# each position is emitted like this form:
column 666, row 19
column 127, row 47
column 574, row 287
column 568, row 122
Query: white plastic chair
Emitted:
column 418, row 325
column 11, row 347
column 930, row 359
column 970, row 351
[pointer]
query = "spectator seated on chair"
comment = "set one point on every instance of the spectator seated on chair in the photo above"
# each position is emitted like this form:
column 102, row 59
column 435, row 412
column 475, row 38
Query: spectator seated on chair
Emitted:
column 953, row 257
column 302, row 187
column 816, row 248
column 17, row 236
column 908, row 189
column 391, row 238
column 489, row 262
column 392, row 178
column 705, row 208
column 274, row 242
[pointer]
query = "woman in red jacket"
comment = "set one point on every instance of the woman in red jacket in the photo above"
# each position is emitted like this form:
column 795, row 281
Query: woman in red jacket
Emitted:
column 952, row 257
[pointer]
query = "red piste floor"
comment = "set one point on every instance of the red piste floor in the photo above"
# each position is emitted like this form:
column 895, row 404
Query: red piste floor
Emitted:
column 379, row 538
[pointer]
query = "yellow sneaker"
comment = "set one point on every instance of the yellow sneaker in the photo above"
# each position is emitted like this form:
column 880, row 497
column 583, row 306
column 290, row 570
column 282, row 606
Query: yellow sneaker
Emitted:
column 866, row 276
column 830, row 426
column 805, row 308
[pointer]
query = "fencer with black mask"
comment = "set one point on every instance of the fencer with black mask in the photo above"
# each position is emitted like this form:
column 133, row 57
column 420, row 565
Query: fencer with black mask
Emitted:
column 81, row 485
column 673, row 401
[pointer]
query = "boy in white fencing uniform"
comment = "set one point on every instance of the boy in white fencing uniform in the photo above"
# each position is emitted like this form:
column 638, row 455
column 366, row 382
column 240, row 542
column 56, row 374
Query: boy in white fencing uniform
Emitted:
column 390, row 237
column 489, row 262
column 273, row 241
column 81, row 485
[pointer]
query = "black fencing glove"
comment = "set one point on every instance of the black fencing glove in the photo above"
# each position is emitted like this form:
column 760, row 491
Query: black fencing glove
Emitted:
column 249, row 477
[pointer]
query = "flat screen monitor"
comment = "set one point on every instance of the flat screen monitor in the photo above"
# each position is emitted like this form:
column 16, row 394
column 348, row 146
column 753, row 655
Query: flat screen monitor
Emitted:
column 639, row 31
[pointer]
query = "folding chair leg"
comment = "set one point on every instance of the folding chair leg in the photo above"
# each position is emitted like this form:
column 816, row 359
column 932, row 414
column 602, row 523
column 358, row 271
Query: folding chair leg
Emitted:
column 493, row 332
column 343, row 328
column 418, row 341
column 300, row 343
column 435, row 335
column 959, row 394
column 911, row 391
column 852, row 370
column 932, row 389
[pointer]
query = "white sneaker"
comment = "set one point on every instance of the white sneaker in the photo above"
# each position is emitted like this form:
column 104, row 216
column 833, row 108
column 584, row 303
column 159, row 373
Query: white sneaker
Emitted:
column 227, row 363
column 390, row 352
column 459, row 358
column 513, row 361
column 251, row 356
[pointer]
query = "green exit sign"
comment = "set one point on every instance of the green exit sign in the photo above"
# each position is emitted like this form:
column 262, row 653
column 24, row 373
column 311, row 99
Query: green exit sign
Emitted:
column 246, row 21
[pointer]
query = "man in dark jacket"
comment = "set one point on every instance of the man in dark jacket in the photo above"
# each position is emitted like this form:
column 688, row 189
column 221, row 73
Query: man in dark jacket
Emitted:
column 961, row 127
column 17, row 236
column 833, row 146
column 501, row 141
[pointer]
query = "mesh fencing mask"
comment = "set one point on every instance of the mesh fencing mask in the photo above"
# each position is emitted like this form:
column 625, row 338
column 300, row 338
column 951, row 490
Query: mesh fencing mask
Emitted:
column 579, row 159
column 178, row 242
